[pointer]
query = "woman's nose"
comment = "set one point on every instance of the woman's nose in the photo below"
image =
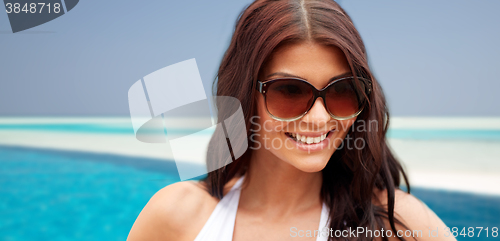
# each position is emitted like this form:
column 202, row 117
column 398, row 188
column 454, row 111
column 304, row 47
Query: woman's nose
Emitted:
column 317, row 114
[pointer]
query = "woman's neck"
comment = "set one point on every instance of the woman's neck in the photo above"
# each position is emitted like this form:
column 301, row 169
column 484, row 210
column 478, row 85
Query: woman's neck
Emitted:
column 275, row 186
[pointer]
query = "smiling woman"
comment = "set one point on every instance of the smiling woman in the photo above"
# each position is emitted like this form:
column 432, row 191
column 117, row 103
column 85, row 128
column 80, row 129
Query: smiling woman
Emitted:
column 318, row 158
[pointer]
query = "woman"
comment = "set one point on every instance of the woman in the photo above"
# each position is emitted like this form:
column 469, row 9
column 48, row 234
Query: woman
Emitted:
column 316, row 121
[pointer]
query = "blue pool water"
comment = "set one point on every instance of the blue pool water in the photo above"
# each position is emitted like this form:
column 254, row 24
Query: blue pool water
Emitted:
column 59, row 195
column 48, row 195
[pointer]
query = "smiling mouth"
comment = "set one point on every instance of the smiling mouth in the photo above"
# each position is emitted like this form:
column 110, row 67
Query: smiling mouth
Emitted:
column 303, row 139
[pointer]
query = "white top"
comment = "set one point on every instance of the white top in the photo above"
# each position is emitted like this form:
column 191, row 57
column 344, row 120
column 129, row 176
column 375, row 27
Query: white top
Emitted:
column 220, row 224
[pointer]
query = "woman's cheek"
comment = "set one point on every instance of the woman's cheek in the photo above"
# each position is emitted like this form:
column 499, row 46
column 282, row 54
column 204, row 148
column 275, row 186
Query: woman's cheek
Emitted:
column 271, row 126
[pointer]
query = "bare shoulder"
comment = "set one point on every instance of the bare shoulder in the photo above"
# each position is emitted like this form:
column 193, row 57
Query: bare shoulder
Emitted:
column 415, row 214
column 176, row 212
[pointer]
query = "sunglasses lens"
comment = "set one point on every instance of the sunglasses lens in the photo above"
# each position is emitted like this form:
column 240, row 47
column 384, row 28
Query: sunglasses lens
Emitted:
column 343, row 99
column 288, row 99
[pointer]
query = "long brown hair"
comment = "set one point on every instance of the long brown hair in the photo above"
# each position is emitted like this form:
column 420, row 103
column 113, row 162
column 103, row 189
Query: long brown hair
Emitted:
column 351, row 175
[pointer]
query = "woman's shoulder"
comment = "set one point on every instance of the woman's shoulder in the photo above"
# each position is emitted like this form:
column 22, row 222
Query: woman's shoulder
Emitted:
column 174, row 212
column 413, row 212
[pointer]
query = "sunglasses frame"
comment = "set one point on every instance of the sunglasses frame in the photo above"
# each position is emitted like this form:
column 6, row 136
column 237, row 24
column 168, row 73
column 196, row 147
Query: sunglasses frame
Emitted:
column 262, row 87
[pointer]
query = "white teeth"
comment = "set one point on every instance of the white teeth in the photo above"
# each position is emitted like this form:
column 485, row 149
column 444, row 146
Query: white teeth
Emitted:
column 308, row 139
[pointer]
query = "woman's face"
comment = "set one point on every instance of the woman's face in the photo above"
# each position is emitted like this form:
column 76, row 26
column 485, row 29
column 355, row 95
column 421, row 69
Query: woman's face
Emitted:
column 317, row 64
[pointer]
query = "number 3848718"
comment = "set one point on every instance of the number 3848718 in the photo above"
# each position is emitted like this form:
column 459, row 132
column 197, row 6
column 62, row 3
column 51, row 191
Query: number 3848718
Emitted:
column 472, row 232
column 33, row 8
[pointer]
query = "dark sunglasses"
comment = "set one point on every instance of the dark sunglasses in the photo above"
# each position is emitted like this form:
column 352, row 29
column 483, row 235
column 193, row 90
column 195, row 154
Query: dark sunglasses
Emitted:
column 289, row 99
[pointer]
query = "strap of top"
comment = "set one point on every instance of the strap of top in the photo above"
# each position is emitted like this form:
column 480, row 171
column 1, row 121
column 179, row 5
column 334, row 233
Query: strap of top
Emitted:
column 324, row 224
column 238, row 183
column 220, row 224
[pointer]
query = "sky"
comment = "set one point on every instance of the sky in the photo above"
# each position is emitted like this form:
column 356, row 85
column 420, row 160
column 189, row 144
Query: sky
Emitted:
column 432, row 58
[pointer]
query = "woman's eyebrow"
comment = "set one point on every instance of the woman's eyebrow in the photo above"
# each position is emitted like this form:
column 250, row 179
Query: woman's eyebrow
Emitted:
column 295, row 76
column 341, row 75
column 284, row 75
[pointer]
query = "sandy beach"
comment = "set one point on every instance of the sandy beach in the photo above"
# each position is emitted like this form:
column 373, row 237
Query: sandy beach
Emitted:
column 459, row 165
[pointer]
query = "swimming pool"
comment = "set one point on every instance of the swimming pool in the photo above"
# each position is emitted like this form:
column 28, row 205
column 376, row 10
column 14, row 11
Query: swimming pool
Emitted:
column 63, row 195
column 56, row 195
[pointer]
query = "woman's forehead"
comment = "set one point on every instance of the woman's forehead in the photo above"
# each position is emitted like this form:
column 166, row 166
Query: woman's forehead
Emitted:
column 313, row 62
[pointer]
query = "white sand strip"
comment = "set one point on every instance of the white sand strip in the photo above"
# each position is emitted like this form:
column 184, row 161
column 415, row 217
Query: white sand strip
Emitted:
column 118, row 144
column 479, row 183
column 470, row 166
column 446, row 123
column 449, row 155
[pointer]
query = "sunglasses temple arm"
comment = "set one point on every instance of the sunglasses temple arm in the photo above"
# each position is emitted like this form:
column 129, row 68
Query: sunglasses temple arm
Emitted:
column 259, row 86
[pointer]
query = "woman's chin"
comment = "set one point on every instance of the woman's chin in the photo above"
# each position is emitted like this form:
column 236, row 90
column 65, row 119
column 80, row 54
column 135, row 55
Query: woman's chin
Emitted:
column 311, row 164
